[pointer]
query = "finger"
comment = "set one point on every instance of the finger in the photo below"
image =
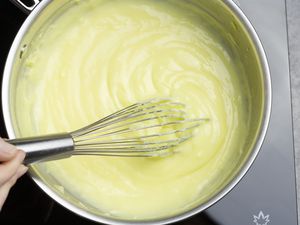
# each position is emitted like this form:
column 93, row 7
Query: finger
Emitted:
column 9, row 168
column 3, row 193
column 4, row 189
column 7, row 151
column 21, row 171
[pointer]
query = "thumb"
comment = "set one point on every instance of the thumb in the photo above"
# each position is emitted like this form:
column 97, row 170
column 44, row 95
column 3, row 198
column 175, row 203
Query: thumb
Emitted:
column 7, row 151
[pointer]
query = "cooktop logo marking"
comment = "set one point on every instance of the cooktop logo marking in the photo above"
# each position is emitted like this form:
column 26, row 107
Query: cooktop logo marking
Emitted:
column 261, row 219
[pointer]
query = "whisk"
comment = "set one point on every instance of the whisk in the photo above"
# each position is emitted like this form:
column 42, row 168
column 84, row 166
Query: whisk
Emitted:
column 145, row 129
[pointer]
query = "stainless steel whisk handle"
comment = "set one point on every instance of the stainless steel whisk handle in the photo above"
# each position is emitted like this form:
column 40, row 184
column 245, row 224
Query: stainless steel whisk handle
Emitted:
column 45, row 148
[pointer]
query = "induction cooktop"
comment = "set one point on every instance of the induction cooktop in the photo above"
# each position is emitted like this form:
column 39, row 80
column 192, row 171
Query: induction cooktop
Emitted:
column 267, row 193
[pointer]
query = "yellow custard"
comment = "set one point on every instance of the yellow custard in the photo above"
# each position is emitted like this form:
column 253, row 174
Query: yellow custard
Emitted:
column 102, row 55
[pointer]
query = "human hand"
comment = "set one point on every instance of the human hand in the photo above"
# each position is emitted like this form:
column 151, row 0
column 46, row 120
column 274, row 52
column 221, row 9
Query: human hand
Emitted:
column 11, row 168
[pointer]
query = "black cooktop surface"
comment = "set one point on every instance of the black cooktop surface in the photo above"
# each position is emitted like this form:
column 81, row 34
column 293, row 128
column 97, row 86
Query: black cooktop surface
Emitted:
column 265, row 196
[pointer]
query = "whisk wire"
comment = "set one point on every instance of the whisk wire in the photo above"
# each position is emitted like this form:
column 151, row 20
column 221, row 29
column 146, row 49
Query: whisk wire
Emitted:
column 146, row 128
column 127, row 113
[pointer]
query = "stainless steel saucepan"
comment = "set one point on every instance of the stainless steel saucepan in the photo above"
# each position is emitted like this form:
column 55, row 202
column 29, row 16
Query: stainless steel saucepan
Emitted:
column 249, row 48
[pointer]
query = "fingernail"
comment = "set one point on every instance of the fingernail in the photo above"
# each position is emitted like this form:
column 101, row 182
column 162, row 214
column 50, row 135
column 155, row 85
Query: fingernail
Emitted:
column 21, row 155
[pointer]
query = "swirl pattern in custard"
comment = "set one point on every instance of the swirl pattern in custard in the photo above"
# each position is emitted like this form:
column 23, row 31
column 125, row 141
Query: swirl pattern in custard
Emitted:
column 100, row 56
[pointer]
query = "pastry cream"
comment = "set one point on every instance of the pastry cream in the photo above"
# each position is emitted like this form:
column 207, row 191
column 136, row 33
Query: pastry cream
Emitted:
column 102, row 55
